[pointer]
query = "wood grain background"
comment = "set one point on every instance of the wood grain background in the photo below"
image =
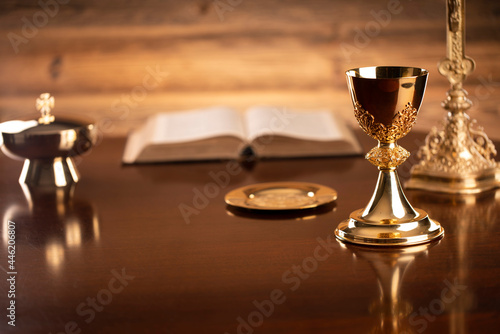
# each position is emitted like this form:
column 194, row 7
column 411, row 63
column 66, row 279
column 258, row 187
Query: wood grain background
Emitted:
column 119, row 61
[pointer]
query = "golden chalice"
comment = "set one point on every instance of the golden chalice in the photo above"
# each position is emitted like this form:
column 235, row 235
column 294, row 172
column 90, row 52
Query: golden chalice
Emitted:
column 386, row 101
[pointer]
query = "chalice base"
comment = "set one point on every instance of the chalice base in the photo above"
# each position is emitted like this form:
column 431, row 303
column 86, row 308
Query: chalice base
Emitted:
column 372, row 233
column 389, row 219
column 58, row 172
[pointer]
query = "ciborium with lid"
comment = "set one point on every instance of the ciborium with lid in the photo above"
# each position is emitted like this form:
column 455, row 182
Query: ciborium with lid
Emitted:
column 48, row 144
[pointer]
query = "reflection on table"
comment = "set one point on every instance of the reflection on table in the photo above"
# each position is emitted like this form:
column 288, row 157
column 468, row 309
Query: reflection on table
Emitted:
column 390, row 264
column 53, row 219
column 468, row 214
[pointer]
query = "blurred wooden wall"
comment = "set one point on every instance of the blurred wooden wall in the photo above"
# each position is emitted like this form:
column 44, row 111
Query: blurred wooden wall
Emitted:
column 119, row 61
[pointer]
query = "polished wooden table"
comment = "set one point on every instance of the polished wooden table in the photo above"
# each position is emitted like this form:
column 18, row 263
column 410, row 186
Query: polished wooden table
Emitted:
column 154, row 249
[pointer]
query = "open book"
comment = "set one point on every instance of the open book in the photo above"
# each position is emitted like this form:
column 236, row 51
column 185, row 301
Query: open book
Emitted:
column 223, row 133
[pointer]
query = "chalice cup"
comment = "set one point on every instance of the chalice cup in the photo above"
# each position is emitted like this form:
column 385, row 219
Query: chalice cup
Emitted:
column 386, row 101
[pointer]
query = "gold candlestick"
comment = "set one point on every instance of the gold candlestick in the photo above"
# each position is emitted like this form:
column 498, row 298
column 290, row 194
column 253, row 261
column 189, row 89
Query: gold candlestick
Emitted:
column 459, row 158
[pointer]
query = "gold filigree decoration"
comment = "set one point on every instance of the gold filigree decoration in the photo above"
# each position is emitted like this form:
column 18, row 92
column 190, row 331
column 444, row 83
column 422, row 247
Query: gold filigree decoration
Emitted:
column 454, row 17
column 387, row 157
column 456, row 70
column 456, row 66
column 401, row 124
column 460, row 149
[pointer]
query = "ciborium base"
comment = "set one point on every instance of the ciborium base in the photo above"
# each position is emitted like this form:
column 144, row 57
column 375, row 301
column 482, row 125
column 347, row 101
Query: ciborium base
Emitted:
column 389, row 219
column 57, row 172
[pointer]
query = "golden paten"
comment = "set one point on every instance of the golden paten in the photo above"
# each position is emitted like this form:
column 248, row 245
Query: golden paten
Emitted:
column 460, row 157
column 278, row 196
column 386, row 102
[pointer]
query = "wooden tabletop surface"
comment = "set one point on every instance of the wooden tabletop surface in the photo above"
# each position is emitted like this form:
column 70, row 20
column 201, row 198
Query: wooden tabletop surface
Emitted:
column 154, row 249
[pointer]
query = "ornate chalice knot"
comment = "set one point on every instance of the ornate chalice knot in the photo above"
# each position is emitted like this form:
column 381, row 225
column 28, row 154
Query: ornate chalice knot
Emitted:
column 387, row 157
column 401, row 124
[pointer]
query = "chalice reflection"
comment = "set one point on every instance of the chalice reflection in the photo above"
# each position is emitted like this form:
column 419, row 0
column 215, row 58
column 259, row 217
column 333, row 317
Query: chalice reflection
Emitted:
column 386, row 102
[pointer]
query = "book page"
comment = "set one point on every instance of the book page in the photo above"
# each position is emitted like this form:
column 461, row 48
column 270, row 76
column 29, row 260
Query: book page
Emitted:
column 273, row 121
column 175, row 127
column 162, row 134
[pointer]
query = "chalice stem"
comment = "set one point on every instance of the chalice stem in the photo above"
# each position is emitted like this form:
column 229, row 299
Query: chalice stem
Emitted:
column 388, row 204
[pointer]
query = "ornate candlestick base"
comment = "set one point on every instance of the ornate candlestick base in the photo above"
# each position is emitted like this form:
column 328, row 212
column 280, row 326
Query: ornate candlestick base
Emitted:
column 459, row 158
column 392, row 96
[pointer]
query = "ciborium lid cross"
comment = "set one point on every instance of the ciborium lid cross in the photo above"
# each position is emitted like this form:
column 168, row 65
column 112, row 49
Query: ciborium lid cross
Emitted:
column 44, row 105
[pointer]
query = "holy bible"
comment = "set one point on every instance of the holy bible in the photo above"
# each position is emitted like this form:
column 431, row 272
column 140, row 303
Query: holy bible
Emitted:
column 219, row 133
